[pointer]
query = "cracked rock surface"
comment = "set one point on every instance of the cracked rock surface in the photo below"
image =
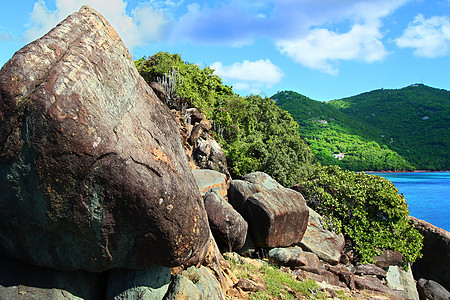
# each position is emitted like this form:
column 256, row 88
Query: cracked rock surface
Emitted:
column 93, row 175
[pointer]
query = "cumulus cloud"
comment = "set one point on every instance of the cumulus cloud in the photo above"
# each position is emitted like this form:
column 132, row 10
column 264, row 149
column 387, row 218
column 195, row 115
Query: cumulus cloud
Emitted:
column 315, row 33
column 250, row 75
column 321, row 49
column 144, row 24
column 430, row 37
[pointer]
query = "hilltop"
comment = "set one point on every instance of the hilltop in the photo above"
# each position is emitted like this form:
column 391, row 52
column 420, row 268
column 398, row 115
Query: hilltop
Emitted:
column 386, row 129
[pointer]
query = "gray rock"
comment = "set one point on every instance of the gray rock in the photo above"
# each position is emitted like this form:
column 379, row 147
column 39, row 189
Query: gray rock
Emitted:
column 208, row 179
column 93, row 174
column 388, row 258
column 209, row 155
column 183, row 288
column 435, row 262
column 280, row 256
column 276, row 216
column 430, row 289
column 371, row 283
column 147, row 284
column 398, row 278
column 370, row 269
column 326, row 244
column 21, row 281
column 226, row 224
column 202, row 280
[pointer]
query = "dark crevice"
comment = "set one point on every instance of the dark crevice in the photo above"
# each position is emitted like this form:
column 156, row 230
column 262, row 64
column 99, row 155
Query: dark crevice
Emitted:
column 147, row 166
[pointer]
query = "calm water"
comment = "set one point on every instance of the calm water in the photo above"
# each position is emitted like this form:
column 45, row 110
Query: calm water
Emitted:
column 427, row 194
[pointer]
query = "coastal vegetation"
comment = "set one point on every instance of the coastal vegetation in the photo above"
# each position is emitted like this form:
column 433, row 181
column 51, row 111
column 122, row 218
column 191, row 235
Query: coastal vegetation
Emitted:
column 254, row 133
column 390, row 130
column 257, row 134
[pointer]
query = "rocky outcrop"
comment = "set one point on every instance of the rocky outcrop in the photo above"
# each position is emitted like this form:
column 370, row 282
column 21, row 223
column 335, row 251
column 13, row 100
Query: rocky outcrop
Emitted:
column 326, row 244
column 227, row 225
column 402, row 280
column 435, row 262
column 21, row 281
column 388, row 258
column 276, row 216
column 150, row 283
column 93, row 173
column 208, row 179
column 429, row 289
column 209, row 155
column 200, row 284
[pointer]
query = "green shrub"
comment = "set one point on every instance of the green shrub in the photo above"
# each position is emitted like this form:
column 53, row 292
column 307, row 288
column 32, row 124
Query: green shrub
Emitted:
column 366, row 208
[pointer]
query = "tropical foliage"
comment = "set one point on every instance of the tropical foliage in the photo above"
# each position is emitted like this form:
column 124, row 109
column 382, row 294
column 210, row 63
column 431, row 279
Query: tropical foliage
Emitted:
column 254, row 133
column 366, row 208
column 402, row 129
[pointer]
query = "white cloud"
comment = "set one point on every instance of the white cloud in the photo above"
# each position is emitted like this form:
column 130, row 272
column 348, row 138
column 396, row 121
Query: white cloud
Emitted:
column 430, row 37
column 249, row 75
column 145, row 23
column 322, row 49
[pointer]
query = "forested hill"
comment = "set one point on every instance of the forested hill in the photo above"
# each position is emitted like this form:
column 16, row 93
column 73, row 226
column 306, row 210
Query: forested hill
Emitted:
column 399, row 129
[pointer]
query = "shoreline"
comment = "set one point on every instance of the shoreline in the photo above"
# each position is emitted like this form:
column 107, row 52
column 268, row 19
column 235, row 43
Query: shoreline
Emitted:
column 415, row 171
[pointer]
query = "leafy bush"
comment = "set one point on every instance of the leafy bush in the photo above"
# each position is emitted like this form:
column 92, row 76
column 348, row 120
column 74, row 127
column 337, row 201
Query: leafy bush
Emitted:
column 254, row 133
column 366, row 208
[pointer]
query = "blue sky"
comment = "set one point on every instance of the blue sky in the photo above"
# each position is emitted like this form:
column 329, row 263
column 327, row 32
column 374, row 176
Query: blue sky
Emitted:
column 324, row 49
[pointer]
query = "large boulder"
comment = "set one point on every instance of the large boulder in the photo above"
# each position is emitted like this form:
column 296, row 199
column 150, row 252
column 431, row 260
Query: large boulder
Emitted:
column 22, row 281
column 226, row 224
column 209, row 155
column 326, row 244
column 208, row 179
column 276, row 216
column 93, row 174
column 430, row 289
column 402, row 280
column 435, row 262
column 146, row 284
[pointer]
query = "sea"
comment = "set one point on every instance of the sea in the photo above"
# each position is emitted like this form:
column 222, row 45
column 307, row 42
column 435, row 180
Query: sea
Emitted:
column 427, row 195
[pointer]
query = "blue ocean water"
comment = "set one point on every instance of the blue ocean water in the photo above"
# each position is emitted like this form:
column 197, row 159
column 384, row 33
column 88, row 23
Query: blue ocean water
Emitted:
column 427, row 195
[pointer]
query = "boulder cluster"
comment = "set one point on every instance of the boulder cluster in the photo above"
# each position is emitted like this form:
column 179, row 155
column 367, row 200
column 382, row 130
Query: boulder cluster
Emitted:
column 107, row 193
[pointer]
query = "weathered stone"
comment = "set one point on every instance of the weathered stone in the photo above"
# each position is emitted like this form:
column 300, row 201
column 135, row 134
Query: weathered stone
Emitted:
column 276, row 216
column 388, row 258
column 195, row 114
column 205, row 281
column 208, row 179
column 209, row 155
column 159, row 90
column 305, row 259
column 371, row 283
column 93, row 174
column 21, row 281
column 430, row 289
column 249, row 285
column 147, row 284
column 280, row 256
column 345, row 275
column 182, row 288
column 435, row 262
column 326, row 244
column 226, row 224
column 399, row 279
column 370, row 269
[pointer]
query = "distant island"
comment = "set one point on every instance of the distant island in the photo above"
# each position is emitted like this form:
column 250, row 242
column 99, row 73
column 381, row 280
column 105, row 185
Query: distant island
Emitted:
column 383, row 130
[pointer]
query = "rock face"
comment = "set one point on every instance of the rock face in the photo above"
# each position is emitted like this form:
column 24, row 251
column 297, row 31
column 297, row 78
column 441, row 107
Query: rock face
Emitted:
column 326, row 244
column 21, row 281
column 226, row 224
column 208, row 179
column 276, row 216
column 435, row 262
column 402, row 280
column 92, row 171
column 209, row 155
column 429, row 289
column 150, row 283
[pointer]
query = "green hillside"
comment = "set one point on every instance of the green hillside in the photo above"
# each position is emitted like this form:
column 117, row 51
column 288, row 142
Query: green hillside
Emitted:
column 400, row 129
